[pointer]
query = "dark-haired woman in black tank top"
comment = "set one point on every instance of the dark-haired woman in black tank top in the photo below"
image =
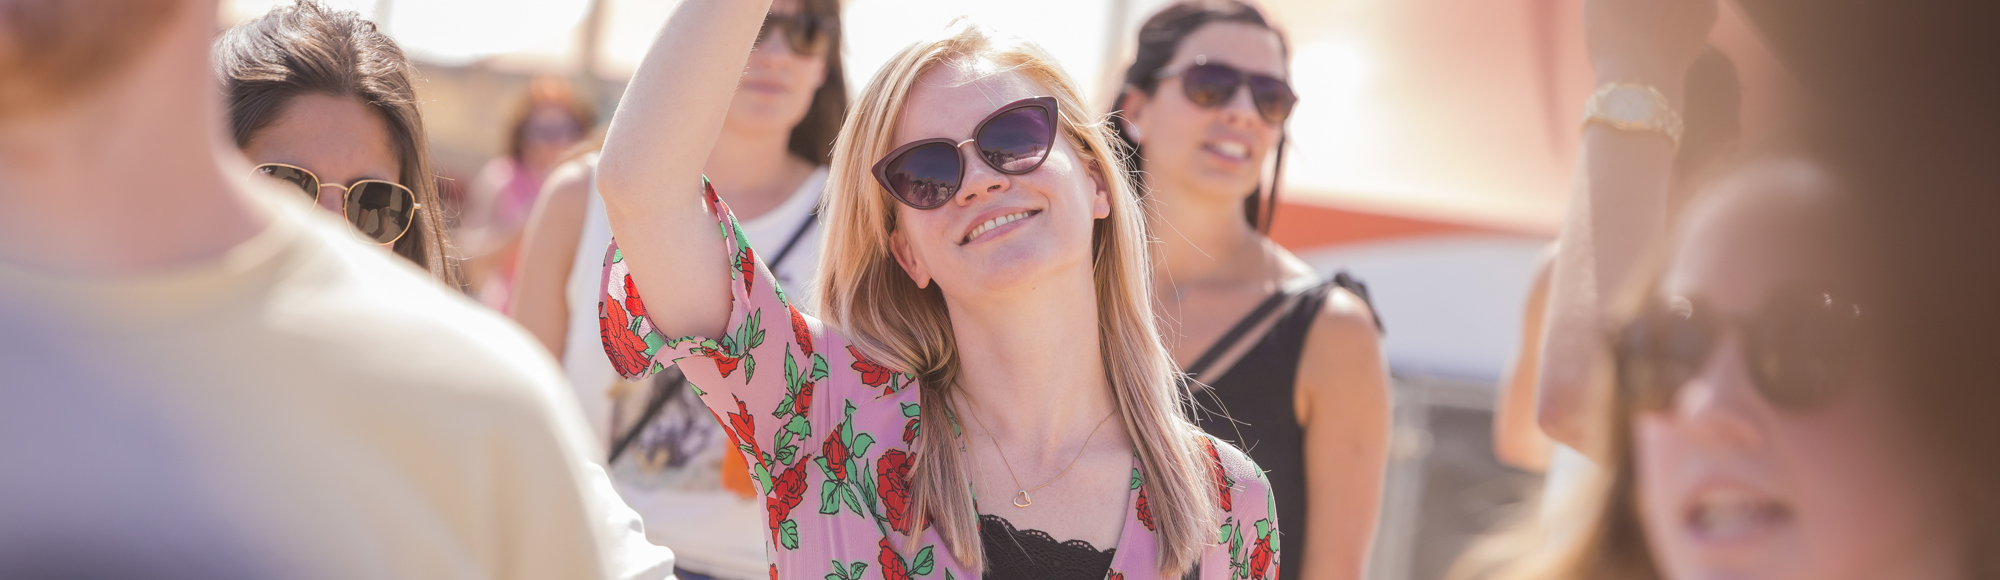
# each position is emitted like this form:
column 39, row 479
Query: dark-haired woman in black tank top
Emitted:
column 1286, row 365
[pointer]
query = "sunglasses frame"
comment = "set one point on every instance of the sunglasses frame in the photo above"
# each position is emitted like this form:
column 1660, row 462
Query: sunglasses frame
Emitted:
column 1639, row 350
column 792, row 23
column 1243, row 82
column 347, row 190
column 1048, row 106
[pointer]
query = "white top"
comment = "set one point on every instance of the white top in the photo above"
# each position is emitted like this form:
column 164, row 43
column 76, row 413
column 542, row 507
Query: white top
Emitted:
column 327, row 409
column 673, row 473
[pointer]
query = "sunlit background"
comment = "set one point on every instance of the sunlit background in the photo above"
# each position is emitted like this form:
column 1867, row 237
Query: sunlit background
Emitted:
column 1430, row 155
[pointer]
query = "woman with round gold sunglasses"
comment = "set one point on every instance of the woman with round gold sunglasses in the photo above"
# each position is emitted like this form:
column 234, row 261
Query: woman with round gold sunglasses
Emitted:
column 380, row 210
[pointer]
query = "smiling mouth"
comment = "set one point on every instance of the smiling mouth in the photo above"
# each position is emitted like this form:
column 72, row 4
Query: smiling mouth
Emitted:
column 1230, row 149
column 991, row 224
column 1726, row 515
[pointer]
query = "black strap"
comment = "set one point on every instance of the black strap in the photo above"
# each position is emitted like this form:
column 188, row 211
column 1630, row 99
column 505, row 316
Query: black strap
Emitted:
column 666, row 385
column 811, row 218
column 1236, row 333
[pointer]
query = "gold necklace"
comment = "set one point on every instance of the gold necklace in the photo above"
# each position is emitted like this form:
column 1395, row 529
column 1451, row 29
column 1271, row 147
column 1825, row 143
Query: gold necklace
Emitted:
column 1021, row 498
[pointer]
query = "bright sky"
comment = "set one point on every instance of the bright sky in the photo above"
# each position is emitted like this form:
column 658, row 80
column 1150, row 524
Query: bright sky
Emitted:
column 1403, row 101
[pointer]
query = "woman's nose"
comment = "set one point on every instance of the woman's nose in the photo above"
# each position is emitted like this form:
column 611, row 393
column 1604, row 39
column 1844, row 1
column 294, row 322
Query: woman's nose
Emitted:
column 980, row 178
column 1720, row 407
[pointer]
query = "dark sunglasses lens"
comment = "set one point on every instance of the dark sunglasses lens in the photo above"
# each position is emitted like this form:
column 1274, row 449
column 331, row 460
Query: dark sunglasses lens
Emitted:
column 1274, row 98
column 1210, row 85
column 382, row 211
column 1017, row 141
column 1665, row 350
column 1796, row 356
column 925, row 177
column 297, row 178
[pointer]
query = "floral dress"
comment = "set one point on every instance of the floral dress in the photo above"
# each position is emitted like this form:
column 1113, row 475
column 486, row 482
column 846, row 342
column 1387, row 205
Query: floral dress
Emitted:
column 827, row 436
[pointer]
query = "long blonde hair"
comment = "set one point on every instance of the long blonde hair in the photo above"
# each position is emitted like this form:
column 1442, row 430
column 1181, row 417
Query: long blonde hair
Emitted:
column 868, row 296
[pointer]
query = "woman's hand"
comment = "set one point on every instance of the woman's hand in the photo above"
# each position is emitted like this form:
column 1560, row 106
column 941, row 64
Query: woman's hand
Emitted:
column 654, row 150
column 1650, row 42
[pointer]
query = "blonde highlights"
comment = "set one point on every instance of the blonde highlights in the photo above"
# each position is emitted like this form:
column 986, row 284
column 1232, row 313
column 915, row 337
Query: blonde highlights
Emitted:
column 868, row 296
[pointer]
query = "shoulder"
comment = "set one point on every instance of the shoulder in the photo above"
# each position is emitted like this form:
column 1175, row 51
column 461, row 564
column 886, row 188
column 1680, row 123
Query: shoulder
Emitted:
column 1234, row 467
column 569, row 183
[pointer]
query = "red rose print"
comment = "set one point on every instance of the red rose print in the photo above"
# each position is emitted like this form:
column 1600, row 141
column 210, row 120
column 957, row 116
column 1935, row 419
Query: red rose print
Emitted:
column 724, row 363
column 835, row 452
column 1145, row 511
column 892, row 564
column 1221, row 476
column 786, row 492
column 745, row 425
column 804, row 400
column 801, row 333
column 1114, row 576
column 632, row 303
column 1261, row 558
column 774, row 572
column 746, row 261
column 626, row 350
column 872, row 374
column 910, row 431
column 892, row 484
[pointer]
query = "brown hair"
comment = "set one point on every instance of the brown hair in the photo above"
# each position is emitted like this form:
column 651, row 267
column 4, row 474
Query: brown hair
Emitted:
column 547, row 91
column 1159, row 38
column 308, row 49
column 813, row 137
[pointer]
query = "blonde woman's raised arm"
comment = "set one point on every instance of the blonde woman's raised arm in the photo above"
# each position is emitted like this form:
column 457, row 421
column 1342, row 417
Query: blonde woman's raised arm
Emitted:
column 650, row 171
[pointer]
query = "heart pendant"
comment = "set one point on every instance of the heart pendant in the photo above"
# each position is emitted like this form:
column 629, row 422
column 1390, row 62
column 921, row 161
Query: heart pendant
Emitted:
column 1022, row 500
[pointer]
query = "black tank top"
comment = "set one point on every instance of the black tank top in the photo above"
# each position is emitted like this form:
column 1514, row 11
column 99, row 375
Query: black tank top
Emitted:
column 1257, row 393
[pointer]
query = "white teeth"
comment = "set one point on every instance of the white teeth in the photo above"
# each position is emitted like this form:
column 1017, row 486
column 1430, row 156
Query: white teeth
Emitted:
column 994, row 223
column 1731, row 514
column 1231, row 149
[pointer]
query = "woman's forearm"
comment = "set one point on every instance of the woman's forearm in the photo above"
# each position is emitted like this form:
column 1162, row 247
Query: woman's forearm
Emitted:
column 650, row 170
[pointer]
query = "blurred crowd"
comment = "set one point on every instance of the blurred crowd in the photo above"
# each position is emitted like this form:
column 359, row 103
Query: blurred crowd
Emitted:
column 246, row 332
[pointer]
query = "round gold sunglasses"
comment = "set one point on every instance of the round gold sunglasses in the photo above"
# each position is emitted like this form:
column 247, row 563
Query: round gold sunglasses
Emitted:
column 380, row 210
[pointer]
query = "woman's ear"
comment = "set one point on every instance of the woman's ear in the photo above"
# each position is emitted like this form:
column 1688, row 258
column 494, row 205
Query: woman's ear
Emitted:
column 899, row 246
column 1100, row 203
column 1132, row 106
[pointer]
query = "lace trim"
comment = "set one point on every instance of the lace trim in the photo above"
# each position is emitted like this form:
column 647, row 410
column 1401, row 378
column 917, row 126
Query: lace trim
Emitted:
column 1033, row 554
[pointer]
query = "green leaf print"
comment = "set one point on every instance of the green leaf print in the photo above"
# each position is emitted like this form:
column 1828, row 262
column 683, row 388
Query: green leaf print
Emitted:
column 923, row 563
column 853, row 503
column 910, row 410
column 1228, row 531
column 1136, row 480
column 793, row 379
column 819, row 367
column 857, row 569
column 785, row 454
column 861, row 443
column 829, row 498
column 788, row 534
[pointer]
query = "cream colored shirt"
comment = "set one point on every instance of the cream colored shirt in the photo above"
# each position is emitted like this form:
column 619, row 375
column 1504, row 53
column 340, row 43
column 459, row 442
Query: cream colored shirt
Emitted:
column 348, row 416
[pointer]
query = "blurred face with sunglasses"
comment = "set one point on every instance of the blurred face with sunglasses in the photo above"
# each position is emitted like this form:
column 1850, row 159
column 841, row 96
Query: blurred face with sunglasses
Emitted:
column 1216, row 114
column 338, row 151
column 991, row 197
column 1765, row 445
column 785, row 69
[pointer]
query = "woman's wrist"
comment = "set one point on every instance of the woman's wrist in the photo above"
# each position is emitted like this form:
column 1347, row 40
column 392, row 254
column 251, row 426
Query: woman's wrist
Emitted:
column 1668, row 79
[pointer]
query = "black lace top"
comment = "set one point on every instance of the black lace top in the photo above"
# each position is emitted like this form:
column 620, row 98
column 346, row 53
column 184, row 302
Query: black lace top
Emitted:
column 1013, row 554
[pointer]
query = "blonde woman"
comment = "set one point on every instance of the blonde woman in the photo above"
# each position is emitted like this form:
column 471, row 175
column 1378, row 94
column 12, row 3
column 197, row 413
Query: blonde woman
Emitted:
column 987, row 328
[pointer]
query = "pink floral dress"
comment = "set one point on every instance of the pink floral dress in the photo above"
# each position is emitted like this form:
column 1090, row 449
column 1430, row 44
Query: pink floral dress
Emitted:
column 827, row 436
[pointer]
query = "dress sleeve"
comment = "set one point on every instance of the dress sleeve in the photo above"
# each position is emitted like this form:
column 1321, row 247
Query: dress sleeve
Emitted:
column 1248, row 544
column 760, row 378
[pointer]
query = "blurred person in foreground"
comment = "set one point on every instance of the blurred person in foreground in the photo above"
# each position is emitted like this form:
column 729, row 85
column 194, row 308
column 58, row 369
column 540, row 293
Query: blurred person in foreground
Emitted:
column 987, row 300
column 549, row 120
column 1708, row 142
column 1756, row 426
column 326, row 406
column 1284, row 363
column 668, row 455
column 323, row 101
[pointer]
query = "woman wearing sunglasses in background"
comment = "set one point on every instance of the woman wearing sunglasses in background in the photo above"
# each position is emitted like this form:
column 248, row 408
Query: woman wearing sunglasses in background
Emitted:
column 1284, row 363
column 348, row 137
column 317, row 95
column 668, row 456
column 988, row 327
